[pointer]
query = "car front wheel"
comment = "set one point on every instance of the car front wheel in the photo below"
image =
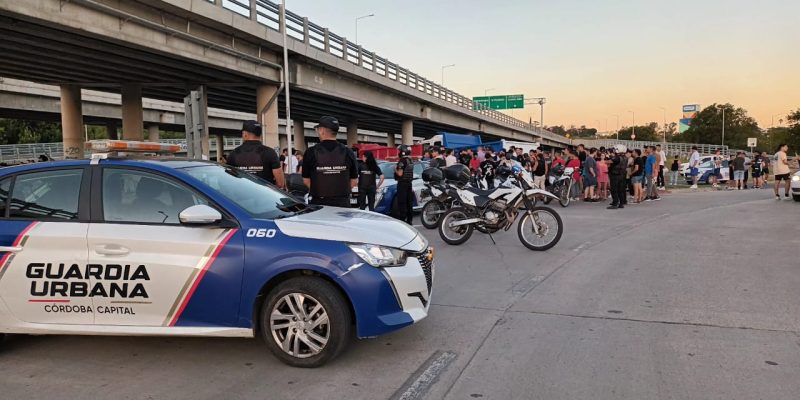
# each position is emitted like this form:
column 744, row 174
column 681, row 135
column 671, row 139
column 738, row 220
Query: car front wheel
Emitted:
column 306, row 322
column 796, row 197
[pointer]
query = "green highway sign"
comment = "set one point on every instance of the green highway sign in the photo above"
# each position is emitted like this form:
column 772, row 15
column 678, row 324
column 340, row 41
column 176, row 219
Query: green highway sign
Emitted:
column 499, row 102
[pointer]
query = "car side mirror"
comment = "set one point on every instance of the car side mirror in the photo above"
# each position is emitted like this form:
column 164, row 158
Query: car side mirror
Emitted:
column 199, row 215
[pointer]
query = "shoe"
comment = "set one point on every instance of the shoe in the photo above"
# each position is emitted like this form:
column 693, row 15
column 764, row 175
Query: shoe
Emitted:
column 648, row 199
column 777, row 197
column 612, row 207
column 693, row 187
column 657, row 199
column 621, row 207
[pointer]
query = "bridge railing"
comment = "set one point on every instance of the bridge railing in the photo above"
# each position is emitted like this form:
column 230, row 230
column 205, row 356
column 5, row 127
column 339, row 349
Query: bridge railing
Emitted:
column 301, row 29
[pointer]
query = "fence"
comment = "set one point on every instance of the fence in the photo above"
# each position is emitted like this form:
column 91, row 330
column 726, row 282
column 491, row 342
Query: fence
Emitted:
column 668, row 147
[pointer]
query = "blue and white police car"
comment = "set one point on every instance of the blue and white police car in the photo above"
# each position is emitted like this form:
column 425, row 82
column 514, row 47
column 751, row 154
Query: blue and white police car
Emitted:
column 123, row 246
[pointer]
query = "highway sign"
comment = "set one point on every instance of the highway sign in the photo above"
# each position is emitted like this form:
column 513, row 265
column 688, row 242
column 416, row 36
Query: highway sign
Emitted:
column 505, row 102
column 751, row 142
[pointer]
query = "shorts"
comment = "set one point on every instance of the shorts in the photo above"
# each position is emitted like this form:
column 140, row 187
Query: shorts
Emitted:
column 738, row 175
column 636, row 180
column 756, row 174
column 782, row 177
column 589, row 181
column 694, row 172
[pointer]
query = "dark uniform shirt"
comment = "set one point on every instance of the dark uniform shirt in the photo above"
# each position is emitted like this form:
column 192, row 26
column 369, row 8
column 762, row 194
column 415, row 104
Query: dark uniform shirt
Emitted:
column 438, row 162
column 407, row 166
column 252, row 156
column 367, row 176
column 330, row 165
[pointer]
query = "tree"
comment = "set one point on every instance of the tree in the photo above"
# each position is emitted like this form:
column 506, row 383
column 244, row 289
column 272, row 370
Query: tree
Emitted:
column 707, row 127
column 16, row 131
column 645, row 133
column 558, row 129
column 793, row 133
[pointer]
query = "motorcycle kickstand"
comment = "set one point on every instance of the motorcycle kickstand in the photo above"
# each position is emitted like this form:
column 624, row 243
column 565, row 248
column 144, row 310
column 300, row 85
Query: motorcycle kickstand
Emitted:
column 492, row 239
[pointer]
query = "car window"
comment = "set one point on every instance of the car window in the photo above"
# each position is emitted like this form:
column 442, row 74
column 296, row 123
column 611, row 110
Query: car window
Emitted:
column 138, row 196
column 387, row 169
column 5, row 185
column 46, row 195
column 706, row 164
column 249, row 192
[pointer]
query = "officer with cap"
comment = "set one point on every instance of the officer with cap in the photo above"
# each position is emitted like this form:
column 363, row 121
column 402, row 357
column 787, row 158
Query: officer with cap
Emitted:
column 255, row 158
column 330, row 169
column 404, row 173
column 617, row 171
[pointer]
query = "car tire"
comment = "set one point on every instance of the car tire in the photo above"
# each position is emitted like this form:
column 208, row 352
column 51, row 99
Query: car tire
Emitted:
column 334, row 317
column 796, row 197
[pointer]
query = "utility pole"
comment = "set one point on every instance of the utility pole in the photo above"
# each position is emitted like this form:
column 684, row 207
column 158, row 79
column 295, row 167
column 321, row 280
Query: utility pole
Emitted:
column 617, row 115
column 540, row 101
column 664, row 137
column 633, row 125
column 723, row 126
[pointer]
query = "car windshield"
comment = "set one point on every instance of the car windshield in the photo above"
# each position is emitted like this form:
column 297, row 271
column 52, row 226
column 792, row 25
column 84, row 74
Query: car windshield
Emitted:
column 387, row 168
column 249, row 192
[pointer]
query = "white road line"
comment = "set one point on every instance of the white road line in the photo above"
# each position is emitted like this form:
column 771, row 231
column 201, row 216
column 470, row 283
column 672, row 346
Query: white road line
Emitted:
column 428, row 377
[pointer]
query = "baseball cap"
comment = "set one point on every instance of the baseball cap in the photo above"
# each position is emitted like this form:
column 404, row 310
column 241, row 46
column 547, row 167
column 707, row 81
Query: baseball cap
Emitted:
column 252, row 126
column 328, row 122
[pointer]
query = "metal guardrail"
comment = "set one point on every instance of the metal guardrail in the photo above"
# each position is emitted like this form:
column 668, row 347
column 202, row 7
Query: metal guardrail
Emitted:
column 299, row 28
column 17, row 153
column 670, row 148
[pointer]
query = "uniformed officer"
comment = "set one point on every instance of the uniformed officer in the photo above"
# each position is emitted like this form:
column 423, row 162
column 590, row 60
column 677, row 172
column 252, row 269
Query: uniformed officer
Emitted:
column 255, row 158
column 404, row 174
column 617, row 171
column 330, row 169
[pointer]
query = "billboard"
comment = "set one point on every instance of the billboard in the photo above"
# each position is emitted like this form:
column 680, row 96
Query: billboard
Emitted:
column 689, row 113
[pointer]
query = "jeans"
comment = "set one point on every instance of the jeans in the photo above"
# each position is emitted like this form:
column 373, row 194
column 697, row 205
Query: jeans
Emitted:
column 673, row 178
column 651, row 187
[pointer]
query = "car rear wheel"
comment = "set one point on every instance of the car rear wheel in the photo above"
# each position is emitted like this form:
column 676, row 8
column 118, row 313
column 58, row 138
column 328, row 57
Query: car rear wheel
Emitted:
column 306, row 322
column 796, row 197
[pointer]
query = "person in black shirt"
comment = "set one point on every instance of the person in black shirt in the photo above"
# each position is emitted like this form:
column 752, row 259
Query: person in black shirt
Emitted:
column 437, row 161
column 368, row 170
column 330, row 170
column 252, row 156
column 404, row 198
column 488, row 165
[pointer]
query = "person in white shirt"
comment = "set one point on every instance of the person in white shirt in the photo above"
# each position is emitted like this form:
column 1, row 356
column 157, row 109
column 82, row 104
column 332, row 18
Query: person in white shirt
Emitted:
column 450, row 159
column 661, row 163
column 293, row 162
column 694, row 163
column 781, row 172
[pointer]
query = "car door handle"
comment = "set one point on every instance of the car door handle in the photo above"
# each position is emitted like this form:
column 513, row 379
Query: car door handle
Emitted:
column 110, row 250
column 10, row 249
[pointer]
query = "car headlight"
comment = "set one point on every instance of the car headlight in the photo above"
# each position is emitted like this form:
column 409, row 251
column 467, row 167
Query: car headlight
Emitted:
column 795, row 178
column 379, row 256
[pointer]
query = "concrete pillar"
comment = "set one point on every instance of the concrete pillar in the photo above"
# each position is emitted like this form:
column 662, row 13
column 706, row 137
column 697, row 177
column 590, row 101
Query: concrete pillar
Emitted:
column 390, row 140
column 153, row 133
column 408, row 132
column 299, row 133
column 352, row 133
column 72, row 121
column 220, row 146
column 111, row 130
column 132, row 119
column 268, row 118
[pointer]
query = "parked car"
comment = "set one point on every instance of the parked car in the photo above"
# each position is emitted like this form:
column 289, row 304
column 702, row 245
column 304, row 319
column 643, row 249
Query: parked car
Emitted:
column 796, row 186
column 385, row 195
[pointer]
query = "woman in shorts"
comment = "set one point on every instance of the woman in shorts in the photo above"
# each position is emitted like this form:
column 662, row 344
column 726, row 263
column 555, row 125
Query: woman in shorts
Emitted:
column 637, row 176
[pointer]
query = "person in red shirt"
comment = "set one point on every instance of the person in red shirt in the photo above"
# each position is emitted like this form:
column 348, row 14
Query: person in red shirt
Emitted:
column 574, row 163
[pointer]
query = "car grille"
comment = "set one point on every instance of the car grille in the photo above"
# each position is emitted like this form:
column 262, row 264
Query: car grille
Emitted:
column 427, row 267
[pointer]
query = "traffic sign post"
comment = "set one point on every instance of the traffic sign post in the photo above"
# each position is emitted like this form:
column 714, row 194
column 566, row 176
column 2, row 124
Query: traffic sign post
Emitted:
column 752, row 143
column 506, row 102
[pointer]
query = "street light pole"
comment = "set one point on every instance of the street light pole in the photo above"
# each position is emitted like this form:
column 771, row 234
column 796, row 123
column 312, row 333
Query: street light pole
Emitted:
column 443, row 67
column 360, row 18
column 633, row 125
column 486, row 91
column 723, row 126
column 288, row 125
column 664, row 137
column 617, row 115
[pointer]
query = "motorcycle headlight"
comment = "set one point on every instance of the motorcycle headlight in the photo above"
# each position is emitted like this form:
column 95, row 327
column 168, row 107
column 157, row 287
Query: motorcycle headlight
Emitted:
column 795, row 178
column 379, row 256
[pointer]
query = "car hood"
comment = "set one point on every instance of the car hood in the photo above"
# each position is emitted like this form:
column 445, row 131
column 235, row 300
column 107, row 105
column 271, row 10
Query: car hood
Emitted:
column 353, row 226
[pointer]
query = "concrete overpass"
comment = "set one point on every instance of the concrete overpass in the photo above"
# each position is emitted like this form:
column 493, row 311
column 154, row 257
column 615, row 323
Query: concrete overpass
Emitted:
column 35, row 101
column 163, row 49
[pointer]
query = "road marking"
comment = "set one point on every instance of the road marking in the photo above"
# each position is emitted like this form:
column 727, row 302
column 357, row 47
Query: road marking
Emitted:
column 417, row 388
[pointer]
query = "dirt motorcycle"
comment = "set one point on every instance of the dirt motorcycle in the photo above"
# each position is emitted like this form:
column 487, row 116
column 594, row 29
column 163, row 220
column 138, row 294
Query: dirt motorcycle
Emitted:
column 561, row 182
column 540, row 228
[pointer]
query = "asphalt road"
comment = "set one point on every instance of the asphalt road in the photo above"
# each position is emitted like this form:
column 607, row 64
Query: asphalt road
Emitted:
column 693, row 297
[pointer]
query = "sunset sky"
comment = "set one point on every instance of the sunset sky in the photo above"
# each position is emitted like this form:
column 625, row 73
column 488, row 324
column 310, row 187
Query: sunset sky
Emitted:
column 590, row 59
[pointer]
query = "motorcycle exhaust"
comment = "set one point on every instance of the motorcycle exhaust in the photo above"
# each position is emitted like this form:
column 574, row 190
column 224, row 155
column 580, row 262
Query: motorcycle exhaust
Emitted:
column 464, row 222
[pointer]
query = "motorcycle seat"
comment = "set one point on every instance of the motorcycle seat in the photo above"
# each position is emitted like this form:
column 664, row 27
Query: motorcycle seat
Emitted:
column 480, row 192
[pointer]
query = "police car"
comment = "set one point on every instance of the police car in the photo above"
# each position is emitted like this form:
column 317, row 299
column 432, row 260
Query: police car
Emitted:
column 796, row 186
column 123, row 246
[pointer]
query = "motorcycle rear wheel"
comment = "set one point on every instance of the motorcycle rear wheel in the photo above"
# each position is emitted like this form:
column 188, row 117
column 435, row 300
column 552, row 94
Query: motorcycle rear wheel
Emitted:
column 455, row 235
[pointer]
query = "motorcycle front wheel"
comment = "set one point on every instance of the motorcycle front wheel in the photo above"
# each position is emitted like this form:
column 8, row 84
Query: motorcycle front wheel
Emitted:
column 431, row 213
column 455, row 235
column 549, row 226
